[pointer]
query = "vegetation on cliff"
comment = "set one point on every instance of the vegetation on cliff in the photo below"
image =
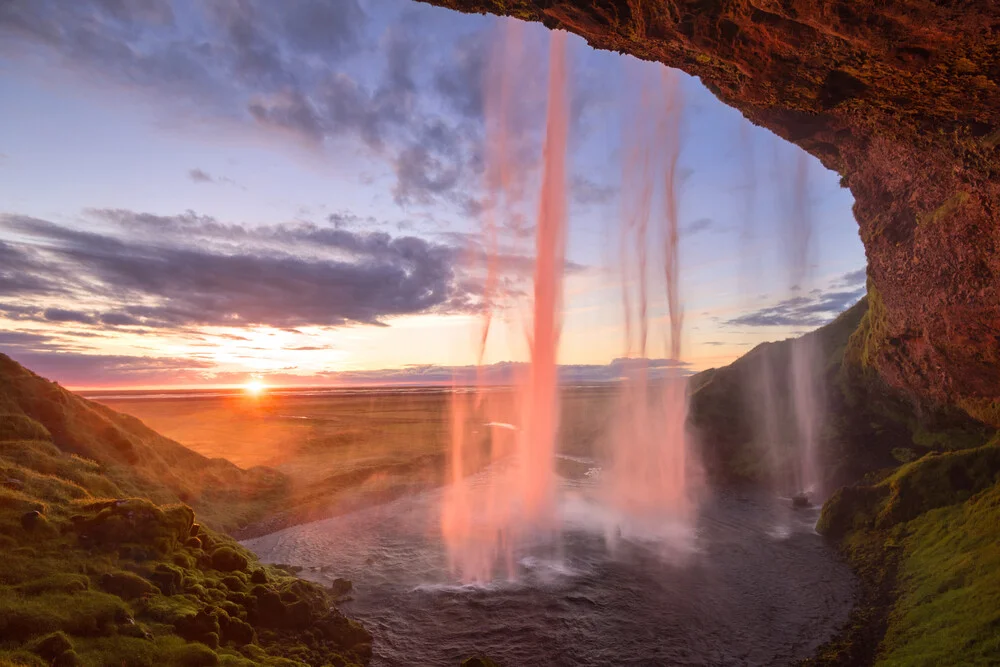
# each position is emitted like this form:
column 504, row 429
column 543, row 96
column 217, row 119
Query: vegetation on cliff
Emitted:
column 867, row 425
column 95, row 575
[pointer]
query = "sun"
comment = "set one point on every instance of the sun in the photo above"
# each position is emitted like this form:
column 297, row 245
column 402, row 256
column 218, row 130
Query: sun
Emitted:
column 254, row 387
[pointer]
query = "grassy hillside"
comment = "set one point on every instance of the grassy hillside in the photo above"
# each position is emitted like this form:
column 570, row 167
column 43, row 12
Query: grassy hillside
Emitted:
column 93, row 574
column 925, row 538
column 135, row 459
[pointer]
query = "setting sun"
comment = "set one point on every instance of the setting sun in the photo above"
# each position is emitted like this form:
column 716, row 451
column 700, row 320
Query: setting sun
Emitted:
column 254, row 387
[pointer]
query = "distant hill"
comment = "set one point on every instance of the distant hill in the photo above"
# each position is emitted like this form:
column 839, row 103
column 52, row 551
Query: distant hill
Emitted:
column 135, row 459
column 866, row 425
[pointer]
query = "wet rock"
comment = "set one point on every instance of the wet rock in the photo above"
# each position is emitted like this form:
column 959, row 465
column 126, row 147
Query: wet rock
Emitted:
column 801, row 501
column 341, row 587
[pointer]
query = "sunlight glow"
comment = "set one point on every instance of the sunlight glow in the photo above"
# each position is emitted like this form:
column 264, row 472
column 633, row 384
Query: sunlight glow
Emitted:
column 254, row 387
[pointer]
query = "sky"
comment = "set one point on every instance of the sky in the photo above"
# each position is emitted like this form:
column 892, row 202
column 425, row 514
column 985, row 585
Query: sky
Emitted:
column 201, row 193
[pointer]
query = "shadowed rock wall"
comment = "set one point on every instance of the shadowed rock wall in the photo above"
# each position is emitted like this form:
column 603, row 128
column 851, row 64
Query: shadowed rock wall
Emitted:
column 901, row 97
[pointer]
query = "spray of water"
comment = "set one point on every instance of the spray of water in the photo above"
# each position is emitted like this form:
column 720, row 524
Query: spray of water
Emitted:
column 482, row 524
column 645, row 478
column 785, row 391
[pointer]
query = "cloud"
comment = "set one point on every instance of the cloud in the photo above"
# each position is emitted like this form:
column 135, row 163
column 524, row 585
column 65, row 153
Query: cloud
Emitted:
column 853, row 278
column 199, row 176
column 587, row 192
column 63, row 315
column 154, row 280
column 810, row 311
column 291, row 67
column 23, row 340
column 22, row 272
column 78, row 369
column 697, row 226
column 505, row 373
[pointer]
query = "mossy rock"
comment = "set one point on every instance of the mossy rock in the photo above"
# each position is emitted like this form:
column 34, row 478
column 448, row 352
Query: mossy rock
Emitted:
column 169, row 579
column 227, row 559
column 52, row 645
column 126, row 585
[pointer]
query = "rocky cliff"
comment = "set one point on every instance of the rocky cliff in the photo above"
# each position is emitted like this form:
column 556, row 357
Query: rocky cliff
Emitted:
column 902, row 98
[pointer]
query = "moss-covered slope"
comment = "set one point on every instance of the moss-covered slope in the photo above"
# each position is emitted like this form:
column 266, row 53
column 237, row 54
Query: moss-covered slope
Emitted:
column 136, row 460
column 102, row 565
column 93, row 577
column 925, row 538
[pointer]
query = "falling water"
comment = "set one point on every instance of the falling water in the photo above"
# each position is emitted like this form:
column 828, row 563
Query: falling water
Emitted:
column 785, row 391
column 481, row 524
column 646, row 476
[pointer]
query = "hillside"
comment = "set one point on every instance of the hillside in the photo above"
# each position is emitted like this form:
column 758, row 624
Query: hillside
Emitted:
column 919, row 517
column 135, row 459
column 103, row 567
column 866, row 424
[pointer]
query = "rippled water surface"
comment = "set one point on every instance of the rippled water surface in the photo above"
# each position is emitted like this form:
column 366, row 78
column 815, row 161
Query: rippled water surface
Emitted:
column 753, row 584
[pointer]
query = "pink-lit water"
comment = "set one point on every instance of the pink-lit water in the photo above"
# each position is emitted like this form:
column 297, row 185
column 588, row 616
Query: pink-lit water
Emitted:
column 481, row 524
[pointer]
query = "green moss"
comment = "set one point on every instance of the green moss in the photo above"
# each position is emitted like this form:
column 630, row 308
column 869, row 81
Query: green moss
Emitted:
column 925, row 540
column 871, row 335
column 22, row 427
column 228, row 559
column 83, row 613
column 939, row 214
column 948, row 610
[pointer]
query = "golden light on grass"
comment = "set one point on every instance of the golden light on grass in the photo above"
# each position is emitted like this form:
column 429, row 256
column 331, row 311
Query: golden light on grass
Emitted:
column 254, row 387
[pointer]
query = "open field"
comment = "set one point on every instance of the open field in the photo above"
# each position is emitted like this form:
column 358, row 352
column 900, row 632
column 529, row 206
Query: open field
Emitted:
column 339, row 449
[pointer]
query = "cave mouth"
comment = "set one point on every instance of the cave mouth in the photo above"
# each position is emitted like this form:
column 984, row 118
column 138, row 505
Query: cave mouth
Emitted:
column 911, row 122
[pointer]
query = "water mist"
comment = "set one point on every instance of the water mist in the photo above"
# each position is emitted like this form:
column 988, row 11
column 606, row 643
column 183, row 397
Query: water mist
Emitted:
column 645, row 477
column 483, row 520
column 785, row 390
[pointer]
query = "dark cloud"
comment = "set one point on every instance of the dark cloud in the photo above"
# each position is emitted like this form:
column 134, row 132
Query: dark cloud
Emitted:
column 811, row 311
column 119, row 319
column 363, row 277
column 854, row 278
column 321, row 27
column 460, row 78
column 199, row 176
column 63, row 315
column 587, row 192
column 22, row 272
column 816, row 309
column 697, row 226
column 72, row 368
column 22, row 340
column 281, row 66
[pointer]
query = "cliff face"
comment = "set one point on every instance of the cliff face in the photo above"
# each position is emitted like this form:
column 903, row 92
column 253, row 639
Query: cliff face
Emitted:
column 902, row 98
